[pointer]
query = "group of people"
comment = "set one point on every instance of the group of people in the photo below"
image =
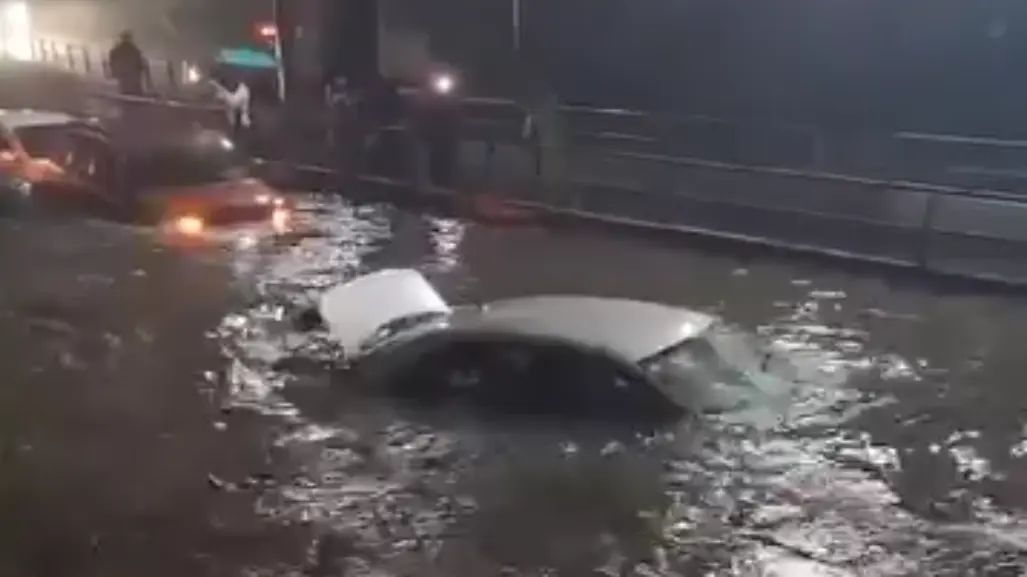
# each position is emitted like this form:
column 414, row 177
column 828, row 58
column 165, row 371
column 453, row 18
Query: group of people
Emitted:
column 359, row 118
column 131, row 70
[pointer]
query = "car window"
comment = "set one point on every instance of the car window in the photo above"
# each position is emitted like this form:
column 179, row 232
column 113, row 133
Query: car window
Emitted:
column 5, row 143
column 397, row 326
column 515, row 376
column 92, row 159
column 722, row 369
column 50, row 142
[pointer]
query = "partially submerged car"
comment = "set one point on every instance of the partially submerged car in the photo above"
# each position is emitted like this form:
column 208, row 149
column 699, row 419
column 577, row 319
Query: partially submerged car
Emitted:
column 57, row 162
column 615, row 358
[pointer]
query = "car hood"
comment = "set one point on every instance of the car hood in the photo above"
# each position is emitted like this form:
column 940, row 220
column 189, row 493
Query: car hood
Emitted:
column 241, row 192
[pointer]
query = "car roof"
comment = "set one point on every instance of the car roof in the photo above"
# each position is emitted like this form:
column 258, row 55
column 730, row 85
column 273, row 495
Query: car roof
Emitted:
column 15, row 119
column 354, row 311
column 633, row 330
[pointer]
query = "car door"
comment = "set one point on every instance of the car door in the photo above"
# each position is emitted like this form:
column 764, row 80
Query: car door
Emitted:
column 93, row 169
column 515, row 375
column 442, row 369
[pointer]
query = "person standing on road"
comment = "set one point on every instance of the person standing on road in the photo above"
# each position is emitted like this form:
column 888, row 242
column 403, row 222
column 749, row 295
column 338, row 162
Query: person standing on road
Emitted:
column 128, row 66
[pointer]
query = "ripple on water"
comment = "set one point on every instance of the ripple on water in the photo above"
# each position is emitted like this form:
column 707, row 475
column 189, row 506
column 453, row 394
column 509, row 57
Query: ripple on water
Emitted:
column 870, row 470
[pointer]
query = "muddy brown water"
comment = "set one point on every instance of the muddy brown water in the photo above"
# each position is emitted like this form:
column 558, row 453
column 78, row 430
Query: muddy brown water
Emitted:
column 146, row 430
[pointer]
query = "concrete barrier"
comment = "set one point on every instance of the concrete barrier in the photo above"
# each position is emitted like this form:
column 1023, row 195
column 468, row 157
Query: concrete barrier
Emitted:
column 979, row 236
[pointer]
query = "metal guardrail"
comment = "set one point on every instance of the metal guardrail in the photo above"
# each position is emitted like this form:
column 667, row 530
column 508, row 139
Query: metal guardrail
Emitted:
column 92, row 61
column 919, row 156
column 952, row 230
column 692, row 134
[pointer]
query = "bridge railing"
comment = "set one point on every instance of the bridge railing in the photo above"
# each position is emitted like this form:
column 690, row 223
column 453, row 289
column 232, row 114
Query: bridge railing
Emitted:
column 777, row 144
column 91, row 61
column 961, row 230
column 961, row 161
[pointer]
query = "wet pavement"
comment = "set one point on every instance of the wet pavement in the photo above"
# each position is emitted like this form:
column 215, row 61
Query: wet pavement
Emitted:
column 149, row 428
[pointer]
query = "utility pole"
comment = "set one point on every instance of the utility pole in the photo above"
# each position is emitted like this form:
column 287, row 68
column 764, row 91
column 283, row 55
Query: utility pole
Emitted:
column 516, row 24
column 280, row 52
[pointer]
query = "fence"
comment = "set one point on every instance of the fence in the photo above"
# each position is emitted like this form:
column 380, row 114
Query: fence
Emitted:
column 775, row 144
column 952, row 230
column 91, row 61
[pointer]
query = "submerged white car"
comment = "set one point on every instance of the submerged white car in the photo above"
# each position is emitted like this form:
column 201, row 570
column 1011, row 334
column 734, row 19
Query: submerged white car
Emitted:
column 541, row 354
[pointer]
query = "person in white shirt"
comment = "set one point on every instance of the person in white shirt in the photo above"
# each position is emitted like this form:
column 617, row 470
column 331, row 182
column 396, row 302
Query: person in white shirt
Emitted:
column 237, row 105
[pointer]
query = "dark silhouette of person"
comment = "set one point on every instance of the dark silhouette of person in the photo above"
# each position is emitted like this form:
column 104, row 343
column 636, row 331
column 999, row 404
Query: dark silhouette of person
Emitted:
column 348, row 134
column 438, row 124
column 128, row 66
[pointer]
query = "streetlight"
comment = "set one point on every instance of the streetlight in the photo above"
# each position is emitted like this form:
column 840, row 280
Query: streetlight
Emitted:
column 16, row 31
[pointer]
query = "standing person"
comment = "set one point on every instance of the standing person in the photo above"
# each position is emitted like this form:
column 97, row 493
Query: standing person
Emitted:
column 545, row 131
column 437, row 124
column 348, row 135
column 128, row 66
column 235, row 94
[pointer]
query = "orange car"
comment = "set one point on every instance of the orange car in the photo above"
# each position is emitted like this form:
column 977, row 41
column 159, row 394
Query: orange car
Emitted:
column 56, row 162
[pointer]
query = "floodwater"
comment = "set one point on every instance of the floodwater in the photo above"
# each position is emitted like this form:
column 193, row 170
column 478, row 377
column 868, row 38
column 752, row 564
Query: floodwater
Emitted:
column 151, row 427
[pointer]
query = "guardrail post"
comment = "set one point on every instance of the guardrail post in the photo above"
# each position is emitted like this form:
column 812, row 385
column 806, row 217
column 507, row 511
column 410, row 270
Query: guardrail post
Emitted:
column 169, row 70
column 927, row 229
column 70, row 54
column 87, row 63
column 106, row 65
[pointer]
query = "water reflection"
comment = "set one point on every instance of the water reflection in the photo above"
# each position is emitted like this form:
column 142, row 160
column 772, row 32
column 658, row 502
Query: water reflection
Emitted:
column 901, row 451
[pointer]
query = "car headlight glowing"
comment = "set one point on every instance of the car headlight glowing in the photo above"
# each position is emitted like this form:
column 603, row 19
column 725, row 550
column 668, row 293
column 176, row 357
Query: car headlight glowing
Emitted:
column 280, row 219
column 443, row 84
column 190, row 225
column 263, row 199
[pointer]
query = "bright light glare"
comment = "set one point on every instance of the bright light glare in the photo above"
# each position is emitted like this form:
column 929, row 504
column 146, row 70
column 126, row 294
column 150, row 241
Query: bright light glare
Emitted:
column 16, row 31
column 263, row 199
column 443, row 83
column 192, row 74
column 280, row 219
column 190, row 225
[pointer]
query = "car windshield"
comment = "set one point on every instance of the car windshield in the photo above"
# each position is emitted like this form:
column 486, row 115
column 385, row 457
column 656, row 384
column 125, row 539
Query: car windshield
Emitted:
column 398, row 326
column 722, row 369
column 207, row 159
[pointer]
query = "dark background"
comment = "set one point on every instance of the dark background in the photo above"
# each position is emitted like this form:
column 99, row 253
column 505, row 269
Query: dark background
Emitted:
column 939, row 64
column 935, row 65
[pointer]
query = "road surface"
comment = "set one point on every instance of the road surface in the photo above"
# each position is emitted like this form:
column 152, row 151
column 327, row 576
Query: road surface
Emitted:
column 147, row 429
